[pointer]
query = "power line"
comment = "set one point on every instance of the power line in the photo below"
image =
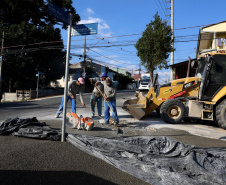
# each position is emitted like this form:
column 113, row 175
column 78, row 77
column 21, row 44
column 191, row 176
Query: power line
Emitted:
column 108, row 57
column 162, row 8
column 50, row 42
column 158, row 7
column 193, row 27
column 79, row 46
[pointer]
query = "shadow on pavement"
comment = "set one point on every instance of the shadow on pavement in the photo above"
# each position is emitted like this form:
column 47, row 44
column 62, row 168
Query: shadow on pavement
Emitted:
column 222, row 137
column 50, row 177
column 100, row 129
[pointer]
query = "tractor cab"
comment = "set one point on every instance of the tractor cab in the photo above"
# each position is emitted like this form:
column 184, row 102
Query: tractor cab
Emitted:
column 212, row 71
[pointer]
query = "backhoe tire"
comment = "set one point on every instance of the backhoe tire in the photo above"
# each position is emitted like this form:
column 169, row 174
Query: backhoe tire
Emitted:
column 221, row 114
column 172, row 111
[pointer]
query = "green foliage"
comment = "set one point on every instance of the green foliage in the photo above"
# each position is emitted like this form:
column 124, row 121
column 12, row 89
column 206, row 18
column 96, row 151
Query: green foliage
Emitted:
column 33, row 11
column 154, row 46
column 31, row 43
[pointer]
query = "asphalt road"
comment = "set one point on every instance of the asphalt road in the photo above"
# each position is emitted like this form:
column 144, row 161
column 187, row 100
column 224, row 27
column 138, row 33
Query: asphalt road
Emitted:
column 46, row 108
column 32, row 161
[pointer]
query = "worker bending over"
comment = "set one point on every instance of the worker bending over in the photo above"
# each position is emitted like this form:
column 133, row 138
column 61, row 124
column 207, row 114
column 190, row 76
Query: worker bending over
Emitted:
column 74, row 87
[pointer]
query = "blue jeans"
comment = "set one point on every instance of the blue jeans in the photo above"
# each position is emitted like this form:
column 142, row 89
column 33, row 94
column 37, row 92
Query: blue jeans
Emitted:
column 73, row 105
column 107, row 109
column 93, row 101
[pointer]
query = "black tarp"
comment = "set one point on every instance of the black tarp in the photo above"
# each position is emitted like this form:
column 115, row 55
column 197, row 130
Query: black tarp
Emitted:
column 38, row 132
column 30, row 128
column 14, row 124
column 158, row 160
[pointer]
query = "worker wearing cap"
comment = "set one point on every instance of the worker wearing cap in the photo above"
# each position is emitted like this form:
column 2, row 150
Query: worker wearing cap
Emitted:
column 110, row 101
column 96, row 96
column 74, row 87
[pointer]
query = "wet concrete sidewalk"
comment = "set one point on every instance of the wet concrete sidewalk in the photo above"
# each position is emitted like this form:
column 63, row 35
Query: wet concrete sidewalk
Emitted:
column 131, row 129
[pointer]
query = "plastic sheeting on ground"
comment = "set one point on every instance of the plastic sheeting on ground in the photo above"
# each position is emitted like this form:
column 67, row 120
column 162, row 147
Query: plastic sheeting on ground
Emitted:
column 29, row 127
column 37, row 132
column 158, row 160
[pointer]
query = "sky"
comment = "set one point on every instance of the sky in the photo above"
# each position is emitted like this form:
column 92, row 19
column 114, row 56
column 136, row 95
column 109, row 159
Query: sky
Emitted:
column 121, row 23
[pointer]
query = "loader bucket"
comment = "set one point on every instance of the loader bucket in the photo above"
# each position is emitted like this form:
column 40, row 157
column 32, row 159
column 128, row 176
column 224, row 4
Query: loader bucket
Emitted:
column 136, row 110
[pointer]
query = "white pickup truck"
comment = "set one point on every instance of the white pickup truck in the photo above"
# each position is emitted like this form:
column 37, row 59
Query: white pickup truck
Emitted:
column 145, row 82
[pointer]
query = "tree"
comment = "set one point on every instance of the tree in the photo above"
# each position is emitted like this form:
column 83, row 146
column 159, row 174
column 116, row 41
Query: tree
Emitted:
column 154, row 46
column 31, row 43
column 35, row 12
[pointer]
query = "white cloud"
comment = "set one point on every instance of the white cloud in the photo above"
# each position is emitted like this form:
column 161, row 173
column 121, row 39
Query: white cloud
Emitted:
column 89, row 11
column 91, row 20
column 103, row 27
column 164, row 76
column 110, row 57
column 77, row 51
column 94, row 49
column 131, row 68
column 164, row 73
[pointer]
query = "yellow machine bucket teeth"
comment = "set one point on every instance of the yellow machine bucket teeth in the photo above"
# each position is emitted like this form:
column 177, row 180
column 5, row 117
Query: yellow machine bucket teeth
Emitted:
column 138, row 111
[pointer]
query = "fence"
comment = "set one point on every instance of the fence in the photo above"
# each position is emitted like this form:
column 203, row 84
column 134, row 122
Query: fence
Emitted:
column 21, row 95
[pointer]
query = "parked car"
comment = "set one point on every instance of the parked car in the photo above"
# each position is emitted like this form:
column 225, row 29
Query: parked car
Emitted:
column 145, row 84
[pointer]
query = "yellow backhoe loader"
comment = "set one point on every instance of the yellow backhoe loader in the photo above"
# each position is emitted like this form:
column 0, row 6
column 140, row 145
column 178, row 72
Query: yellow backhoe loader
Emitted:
column 200, row 97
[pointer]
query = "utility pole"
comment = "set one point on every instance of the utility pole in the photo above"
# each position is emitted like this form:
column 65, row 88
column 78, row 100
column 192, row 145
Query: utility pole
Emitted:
column 1, row 66
column 84, row 64
column 172, row 37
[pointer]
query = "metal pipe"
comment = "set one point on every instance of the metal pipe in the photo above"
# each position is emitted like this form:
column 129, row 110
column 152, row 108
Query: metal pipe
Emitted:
column 66, row 77
column 3, row 35
column 37, row 85
column 172, row 36
column 189, row 66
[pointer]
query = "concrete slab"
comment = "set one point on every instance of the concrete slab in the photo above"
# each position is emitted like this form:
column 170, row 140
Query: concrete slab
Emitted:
column 153, row 122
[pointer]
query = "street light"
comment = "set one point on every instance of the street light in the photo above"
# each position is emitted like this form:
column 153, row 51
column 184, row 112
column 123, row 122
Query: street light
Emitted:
column 37, row 84
column 39, row 73
column 97, row 43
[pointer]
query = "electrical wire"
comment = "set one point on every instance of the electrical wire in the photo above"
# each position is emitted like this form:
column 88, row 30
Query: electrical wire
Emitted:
column 102, row 46
column 32, row 44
